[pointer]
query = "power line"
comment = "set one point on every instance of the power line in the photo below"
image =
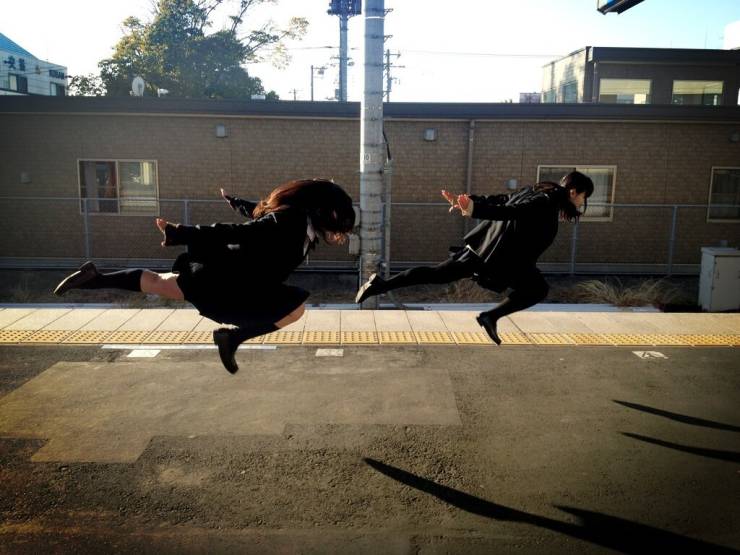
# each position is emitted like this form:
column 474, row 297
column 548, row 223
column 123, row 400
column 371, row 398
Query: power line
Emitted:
column 437, row 52
column 492, row 54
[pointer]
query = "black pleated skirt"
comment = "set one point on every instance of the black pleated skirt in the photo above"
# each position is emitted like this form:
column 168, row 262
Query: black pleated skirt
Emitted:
column 229, row 298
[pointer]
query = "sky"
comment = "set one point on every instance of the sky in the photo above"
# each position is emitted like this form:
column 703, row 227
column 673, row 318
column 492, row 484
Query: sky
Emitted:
column 462, row 51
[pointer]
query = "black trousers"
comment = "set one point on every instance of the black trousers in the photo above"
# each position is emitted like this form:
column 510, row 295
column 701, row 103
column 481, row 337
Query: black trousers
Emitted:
column 529, row 287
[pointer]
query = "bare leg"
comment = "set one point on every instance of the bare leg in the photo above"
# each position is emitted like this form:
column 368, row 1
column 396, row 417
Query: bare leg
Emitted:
column 164, row 285
column 292, row 317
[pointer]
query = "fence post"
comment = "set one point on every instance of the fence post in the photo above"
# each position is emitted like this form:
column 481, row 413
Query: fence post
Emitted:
column 186, row 212
column 672, row 240
column 573, row 246
column 88, row 248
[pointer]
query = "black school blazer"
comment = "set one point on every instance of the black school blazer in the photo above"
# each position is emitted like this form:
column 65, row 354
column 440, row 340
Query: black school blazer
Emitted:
column 516, row 229
column 264, row 250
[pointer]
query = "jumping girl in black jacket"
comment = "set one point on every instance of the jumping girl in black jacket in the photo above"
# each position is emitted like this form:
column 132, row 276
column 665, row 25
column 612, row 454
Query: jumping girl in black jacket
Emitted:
column 234, row 273
column 502, row 251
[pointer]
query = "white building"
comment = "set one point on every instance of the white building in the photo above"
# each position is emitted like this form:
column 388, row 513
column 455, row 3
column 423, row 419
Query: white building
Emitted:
column 22, row 73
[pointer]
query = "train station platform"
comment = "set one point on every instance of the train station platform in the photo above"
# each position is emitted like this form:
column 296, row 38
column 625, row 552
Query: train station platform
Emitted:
column 128, row 327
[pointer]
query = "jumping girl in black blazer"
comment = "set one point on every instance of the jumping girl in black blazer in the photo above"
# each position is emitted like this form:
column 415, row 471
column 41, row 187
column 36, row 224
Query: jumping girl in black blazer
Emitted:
column 502, row 251
column 234, row 273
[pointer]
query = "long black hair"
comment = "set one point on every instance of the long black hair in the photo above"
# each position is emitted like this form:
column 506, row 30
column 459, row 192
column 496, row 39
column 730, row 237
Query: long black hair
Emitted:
column 573, row 180
column 328, row 205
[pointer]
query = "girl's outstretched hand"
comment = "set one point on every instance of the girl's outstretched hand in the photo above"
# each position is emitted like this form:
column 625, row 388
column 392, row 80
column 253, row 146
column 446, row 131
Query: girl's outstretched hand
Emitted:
column 162, row 225
column 463, row 202
column 459, row 202
column 228, row 198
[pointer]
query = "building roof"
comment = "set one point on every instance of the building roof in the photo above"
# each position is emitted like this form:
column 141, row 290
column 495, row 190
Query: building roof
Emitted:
column 657, row 55
column 153, row 106
column 10, row 46
column 665, row 55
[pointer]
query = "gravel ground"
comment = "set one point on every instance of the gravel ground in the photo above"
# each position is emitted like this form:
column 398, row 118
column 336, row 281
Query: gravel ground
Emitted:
column 23, row 286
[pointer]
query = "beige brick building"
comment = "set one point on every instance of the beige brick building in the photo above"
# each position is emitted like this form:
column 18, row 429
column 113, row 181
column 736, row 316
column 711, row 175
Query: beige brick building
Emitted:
column 165, row 157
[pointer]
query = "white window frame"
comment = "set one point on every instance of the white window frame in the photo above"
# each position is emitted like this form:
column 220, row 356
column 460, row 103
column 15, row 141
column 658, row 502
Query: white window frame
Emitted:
column 116, row 161
column 580, row 168
column 709, row 200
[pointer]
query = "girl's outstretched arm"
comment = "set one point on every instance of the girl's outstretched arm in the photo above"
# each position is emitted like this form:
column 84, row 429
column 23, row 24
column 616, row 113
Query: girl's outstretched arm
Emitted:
column 493, row 207
column 244, row 207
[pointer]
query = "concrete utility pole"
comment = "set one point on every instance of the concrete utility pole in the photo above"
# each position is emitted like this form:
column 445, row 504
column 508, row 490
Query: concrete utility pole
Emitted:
column 320, row 70
column 343, row 57
column 388, row 77
column 371, row 148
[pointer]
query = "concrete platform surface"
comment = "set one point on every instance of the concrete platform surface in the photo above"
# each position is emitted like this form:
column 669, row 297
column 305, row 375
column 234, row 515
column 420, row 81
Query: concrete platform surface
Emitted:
column 23, row 325
column 400, row 449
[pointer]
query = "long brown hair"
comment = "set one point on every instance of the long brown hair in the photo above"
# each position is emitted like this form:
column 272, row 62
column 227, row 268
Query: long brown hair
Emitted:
column 327, row 205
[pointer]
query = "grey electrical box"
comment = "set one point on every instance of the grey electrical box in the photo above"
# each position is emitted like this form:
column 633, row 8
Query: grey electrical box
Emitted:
column 719, row 282
column 354, row 244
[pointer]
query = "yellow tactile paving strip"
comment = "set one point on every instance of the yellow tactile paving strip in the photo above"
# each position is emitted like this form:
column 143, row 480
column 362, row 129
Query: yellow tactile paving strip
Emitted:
column 13, row 336
column 314, row 337
column 471, row 338
column 129, row 327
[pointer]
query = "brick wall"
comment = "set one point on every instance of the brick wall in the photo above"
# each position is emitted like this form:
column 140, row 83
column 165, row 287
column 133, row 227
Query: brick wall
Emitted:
column 657, row 162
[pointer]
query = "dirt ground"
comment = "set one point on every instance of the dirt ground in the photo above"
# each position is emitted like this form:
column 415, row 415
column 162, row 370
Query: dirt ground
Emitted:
column 676, row 293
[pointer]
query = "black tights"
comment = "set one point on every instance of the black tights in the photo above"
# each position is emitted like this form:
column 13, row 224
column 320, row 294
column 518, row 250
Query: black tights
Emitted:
column 452, row 269
column 530, row 287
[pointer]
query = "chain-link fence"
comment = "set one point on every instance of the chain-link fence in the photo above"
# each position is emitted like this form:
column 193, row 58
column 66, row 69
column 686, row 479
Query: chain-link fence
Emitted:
column 637, row 238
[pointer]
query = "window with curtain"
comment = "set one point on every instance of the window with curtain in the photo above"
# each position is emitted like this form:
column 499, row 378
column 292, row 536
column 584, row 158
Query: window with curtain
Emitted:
column 704, row 93
column 724, row 195
column 624, row 91
column 603, row 178
column 126, row 187
column 17, row 83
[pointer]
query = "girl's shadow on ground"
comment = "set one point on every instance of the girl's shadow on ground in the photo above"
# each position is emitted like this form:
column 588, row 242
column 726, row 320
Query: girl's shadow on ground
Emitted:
column 600, row 529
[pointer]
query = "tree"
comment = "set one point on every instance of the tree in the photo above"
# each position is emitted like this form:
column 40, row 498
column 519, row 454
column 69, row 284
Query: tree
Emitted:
column 86, row 85
column 174, row 52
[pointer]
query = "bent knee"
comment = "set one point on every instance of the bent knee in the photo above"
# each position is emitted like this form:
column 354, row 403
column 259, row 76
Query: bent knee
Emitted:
column 292, row 317
column 297, row 313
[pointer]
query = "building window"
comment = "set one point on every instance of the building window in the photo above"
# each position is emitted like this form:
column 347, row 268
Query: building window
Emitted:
column 548, row 96
column 604, row 177
column 17, row 83
column 126, row 187
column 724, row 190
column 569, row 92
column 624, row 91
column 56, row 89
column 704, row 93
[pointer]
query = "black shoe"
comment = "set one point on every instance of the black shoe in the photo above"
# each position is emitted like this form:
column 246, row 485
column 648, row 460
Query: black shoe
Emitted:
column 489, row 324
column 85, row 274
column 375, row 285
column 222, row 337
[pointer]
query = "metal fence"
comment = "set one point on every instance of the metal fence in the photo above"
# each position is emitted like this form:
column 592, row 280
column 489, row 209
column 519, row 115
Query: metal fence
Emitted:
column 638, row 238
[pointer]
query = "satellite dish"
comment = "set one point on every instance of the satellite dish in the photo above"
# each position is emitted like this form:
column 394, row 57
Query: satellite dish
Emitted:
column 137, row 86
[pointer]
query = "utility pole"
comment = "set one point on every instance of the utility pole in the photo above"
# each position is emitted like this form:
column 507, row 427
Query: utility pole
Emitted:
column 372, row 146
column 294, row 91
column 344, row 9
column 388, row 77
column 320, row 70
